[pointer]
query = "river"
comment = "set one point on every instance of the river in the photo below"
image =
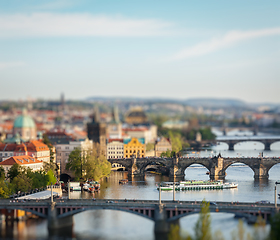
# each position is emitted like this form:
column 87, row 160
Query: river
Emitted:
column 112, row 225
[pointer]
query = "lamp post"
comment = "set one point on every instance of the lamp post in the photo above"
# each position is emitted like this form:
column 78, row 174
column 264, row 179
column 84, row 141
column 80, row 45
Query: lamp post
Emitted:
column 275, row 194
column 159, row 188
column 51, row 193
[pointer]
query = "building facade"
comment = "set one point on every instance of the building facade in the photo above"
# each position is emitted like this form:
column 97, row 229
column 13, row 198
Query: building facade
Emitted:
column 134, row 148
column 161, row 146
column 24, row 161
column 33, row 148
column 115, row 149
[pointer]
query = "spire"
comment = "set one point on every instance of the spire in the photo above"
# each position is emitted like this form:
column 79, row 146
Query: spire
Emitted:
column 115, row 115
column 96, row 115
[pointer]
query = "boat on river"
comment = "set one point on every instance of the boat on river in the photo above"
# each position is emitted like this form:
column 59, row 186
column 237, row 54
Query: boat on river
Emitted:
column 197, row 185
column 94, row 186
column 123, row 181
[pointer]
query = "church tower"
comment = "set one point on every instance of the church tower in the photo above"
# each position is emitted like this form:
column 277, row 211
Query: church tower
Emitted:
column 97, row 131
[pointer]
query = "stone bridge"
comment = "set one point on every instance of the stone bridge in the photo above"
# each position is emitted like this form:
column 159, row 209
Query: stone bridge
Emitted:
column 217, row 166
column 267, row 141
column 59, row 213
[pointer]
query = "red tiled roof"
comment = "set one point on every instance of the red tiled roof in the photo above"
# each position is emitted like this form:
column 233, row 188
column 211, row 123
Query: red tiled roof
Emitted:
column 35, row 145
column 115, row 139
column 21, row 160
column 8, row 147
column 21, row 148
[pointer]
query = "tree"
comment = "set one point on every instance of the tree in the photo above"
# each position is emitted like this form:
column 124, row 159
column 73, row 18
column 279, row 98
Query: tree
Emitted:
column 76, row 163
column 51, row 165
column 5, row 189
column 150, row 146
column 2, row 173
column 39, row 179
column 88, row 164
column 203, row 224
column 22, row 183
column 14, row 171
column 175, row 141
column 275, row 227
column 51, row 177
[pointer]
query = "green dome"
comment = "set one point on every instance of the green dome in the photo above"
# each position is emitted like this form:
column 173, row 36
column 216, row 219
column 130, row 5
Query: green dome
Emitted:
column 24, row 121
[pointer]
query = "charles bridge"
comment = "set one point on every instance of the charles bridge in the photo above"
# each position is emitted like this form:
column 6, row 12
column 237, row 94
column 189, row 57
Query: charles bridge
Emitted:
column 60, row 212
column 216, row 166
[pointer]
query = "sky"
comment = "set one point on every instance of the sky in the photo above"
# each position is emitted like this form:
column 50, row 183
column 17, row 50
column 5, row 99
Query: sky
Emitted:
column 152, row 49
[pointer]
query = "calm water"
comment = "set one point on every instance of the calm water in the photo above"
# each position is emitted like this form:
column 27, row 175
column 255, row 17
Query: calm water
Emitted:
column 111, row 225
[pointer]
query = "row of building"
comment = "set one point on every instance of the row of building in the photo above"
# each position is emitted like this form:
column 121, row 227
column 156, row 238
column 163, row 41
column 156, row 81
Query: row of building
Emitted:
column 25, row 146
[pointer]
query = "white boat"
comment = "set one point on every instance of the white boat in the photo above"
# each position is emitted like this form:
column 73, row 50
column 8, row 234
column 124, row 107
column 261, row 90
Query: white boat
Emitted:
column 75, row 186
column 197, row 185
column 86, row 186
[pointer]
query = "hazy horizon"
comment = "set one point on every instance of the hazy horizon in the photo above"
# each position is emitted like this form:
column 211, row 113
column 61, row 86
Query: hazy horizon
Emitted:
column 159, row 49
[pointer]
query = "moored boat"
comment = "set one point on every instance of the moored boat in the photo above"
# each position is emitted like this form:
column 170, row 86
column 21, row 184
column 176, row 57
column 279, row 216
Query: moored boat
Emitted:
column 94, row 186
column 86, row 186
column 123, row 181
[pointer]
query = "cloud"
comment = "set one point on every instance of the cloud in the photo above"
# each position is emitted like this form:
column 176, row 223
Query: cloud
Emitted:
column 60, row 25
column 4, row 65
column 228, row 40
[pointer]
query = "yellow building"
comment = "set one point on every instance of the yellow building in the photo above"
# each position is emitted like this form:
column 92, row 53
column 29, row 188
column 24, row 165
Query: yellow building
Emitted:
column 134, row 147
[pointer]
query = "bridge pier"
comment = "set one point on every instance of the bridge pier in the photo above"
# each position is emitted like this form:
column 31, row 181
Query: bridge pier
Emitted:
column 260, row 173
column 267, row 146
column 55, row 223
column 162, row 226
column 231, row 146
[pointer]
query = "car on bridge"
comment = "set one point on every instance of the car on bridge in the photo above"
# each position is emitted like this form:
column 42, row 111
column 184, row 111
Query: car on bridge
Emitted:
column 263, row 202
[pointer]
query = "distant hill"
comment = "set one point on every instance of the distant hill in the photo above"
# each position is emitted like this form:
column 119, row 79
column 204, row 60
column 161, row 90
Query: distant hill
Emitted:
column 195, row 102
column 212, row 102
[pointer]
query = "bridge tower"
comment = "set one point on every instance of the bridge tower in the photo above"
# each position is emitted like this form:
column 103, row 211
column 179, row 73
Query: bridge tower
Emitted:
column 134, row 170
column 217, row 171
column 175, row 171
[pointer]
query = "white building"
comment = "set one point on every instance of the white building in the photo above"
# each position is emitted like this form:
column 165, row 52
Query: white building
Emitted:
column 115, row 149
column 24, row 161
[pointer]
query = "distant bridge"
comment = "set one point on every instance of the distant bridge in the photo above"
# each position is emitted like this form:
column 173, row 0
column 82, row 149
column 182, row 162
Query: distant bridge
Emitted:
column 266, row 140
column 217, row 166
column 60, row 212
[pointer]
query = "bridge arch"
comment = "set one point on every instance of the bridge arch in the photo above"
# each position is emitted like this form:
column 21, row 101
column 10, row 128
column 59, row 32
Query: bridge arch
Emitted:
column 275, row 145
column 146, row 213
column 237, row 161
column 254, row 144
column 187, row 167
column 274, row 168
column 117, row 167
column 154, row 162
column 247, row 216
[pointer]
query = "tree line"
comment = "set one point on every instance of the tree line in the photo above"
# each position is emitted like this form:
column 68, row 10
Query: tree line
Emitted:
column 20, row 179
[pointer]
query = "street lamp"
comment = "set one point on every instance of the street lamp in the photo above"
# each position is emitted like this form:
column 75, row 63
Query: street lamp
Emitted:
column 275, row 194
column 159, row 189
